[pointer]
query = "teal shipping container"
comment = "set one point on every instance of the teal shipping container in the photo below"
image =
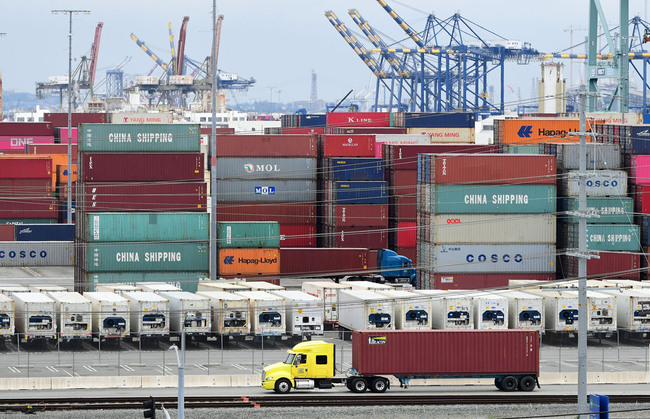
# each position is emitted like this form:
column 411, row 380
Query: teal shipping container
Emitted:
column 612, row 210
column 151, row 257
column 521, row 149
column 144, row 227
column 487, row 199
column 608, row 237
column 263, row 234
column 187, row 281
column 119, row 138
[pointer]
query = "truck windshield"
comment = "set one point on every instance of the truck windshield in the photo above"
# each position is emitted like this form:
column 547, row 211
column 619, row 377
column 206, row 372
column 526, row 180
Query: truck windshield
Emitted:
column 289, row 359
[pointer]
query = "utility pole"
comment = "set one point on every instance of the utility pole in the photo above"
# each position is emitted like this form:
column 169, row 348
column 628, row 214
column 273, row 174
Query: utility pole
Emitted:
column 213, row 146
column 571, row 29
column 583, row 404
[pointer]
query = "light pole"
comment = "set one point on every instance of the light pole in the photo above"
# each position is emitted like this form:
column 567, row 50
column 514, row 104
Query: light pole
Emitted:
column 1, row 115
column 70, row 12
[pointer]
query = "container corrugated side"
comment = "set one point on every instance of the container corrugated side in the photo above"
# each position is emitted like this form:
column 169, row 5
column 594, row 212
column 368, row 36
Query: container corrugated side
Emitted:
column 359, row 192
column 25, row 167
column 489, row 228
column 283, row 213
column 599, row 156
column 7, row 232
column 266, row 146
column 357, row 215
column 608, row 237
column 358, row 119
column 133, row 167
column 479, row 281
column 165, row 138
column 187, row 281
column 492, row 258
column 135, row 257
column 130, row 227
column 267, row 190
column 612, row 210
column 298, row 235
column 248, row 234
column 347, row 169
column 598, row 183
column 266, row 168
column 36, row 253
column 617, row 265
column 249, row 261
column 159, row 196
column 444, row 135
column 323, row 262
column 45, row 232
column 640, row 169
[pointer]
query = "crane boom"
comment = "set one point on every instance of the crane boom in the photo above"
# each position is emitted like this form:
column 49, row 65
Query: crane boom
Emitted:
column 171, row 45
column 150, row 53
column 215, row 50
column 94, row 52
column 405, row 26
column 181, row 46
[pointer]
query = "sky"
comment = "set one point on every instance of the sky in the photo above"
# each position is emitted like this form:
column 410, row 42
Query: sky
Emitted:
column 277, row 42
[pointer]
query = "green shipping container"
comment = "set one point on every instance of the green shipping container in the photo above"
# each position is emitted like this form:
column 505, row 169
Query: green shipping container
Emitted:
column 144, row 227
column 148, row 257
column 118, row 138
column 612, row 210
column 490, row 199
column 187, row 281
column 521, row 149
column 607, row 237
column 263, row 234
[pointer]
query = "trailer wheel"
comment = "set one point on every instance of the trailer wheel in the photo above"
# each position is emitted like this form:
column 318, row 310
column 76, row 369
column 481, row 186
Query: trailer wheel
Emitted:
column 282, row 386
column 509, row 383
column 527, row 383
column 497, row 383
column 378, row 385
column 359, row 385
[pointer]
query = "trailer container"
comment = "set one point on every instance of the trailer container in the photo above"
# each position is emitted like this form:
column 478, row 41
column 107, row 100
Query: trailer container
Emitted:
column 267, row 146
column 266, row 190
column 412, row 311
column 304, row 313
column 283, row 213
column 599, row 183
column 367, row 285
column 48, row 288
column 7, row 317
column 490, row 311
column 111, row 316
column 561, row 310
column 144, row 227
column 134, row 167
column 611, row 210
column 229, row 313
column 118, row 138
column 324, row 262
column 36, row 253
column 267, row 313
column 185, row 281
column 365, row 310
column 261, row 285
column 190, row 313
column 73, row 315
column 449, row 311
column 35, row 316
column 45, row 232
column 328, row 293
column 490, row 228
column 157, row 287
column 164, row 256
column 525, row 310
column 601, row 312
column 9, row 289
column 264, row 168
column 223, row 286
column 632, row 310
column 249, row 262
column 117, row 288
column 158, row 196
column 251, row 234
column 298, row 235
column 150, row 314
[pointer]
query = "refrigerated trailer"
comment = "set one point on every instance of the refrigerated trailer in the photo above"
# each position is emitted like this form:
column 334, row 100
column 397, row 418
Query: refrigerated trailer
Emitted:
column 260, row 285
column 449, row 310
column 560, row 311
column 73, row 315
column 150, row 315
column 116, row 288
column 221, row 285
column 157, row 287
column 525, row 310
column 9, row 289
column 267, row 313
column 328, row 293
column 47, row 288
column 365, row 310
column 632, row 311
column 111, row 317
column 230, row 313
column 35, row 316
column 412, row 311
column 190, row 313
column 304, row 313
column 7, row 317
column 490, row 311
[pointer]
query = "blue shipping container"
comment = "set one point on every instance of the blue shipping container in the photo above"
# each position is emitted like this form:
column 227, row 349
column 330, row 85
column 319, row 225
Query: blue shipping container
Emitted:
column 639, row 139
column 313, row 120
column 63, row 211
column 369, row 192
column 44, row 232
column 644, row 224
column 440, row 120
column 355, row 169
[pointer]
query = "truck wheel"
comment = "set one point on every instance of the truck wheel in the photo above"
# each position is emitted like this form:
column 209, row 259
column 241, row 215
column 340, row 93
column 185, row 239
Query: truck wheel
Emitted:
column 509, row 383
column 527, row 383
column 282, row 386
column 497, row 383
column 359, row 385
column 378, row 385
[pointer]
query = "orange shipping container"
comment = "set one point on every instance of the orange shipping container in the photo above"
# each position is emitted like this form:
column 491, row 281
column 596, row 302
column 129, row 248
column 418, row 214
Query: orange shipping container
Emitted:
column 538, row 130
column 241, row 262
column 62, row 174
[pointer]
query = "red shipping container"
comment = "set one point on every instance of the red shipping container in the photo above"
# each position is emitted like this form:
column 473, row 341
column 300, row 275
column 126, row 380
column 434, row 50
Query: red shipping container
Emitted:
column 218, row 131
column 493, row 169
column 130, row 167
column 62, row 191
column 364, row 130
column 25, row 187
column 358, row 119
column 611, row 265
column 155, row 197
column 368, row 237
column 28, row 207
column 27, row 128
column 18, row 142
column 403, row 208
column 406, row 234
column 60, row 119
column 405, row 156
column 641, row 198
column 287, row 213
column 481, row 281
column 267, row 146
column 18, row 167
column 409, row 252
column 297, row 235
column 323, row 261
column 450, row 353
column 49, row 149
column 358, row 215
column 7, row 233
column 347, row 145
column 303, row 130
column 403, row 181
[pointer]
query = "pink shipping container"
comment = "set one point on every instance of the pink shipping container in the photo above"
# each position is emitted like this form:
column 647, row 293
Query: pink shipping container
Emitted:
column 493, row 169
column 358, row 119
column 405, row 156
column 61, row 135
column 640, row 169
column 297, row 235
column 368, row 237
column 438, row 353
column 481, row 281
column 29, row 208
column 25, row 187
column 406, row 234
column 154, row 197
column 21, row 129
column 347, row 145
column 358, row 215
column 18, row 142
column 7, row 233
column 266, row 146
column 324, row 262
column 131, row 167
column 287, row 213
column 60, row 119
column 611, row 265
column 364, row 130
column 641, row 198
column 26, row 168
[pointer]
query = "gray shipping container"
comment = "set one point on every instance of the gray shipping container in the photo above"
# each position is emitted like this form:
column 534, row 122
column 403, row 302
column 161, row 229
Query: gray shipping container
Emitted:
column 249, row 168
column 490, row 228
column 599, row 156
column 492, row 258
column 36, row 253
column 599, row 183
column 264, row 190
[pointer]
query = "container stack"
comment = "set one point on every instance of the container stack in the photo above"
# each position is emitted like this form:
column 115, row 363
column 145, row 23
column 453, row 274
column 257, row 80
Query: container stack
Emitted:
column 441, row 127
column 520, row 131
column 640, row 188
column 142, row 205
column 485, row 219
column 14, row 136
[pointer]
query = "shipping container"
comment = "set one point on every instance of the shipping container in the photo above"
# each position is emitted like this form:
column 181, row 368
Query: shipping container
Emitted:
column 264, row 168
column 490, row 311
column 267, row 313
column 266, row 146
column 295, row 130
column 35, row 316
column 449, row 311
column 222, row 285
column 7, row 232
column 304, row 313
column 365, row 310
column 62, row 174
column 367, row 285
column 26, row 128
column 366, row 130
column 611, row 210
column 406, row 234
column 158, row 287
column 328, row 293
column 323, row 262
column 143, row 256
column 640, row 169
column 641, row 194
column 489, row 228
column 445, row 134
column 264, row 234
column 122, row 138
column 61, row 135
column 357, row 215
column 433, row 119
column 25, row 167
column 598, row 156
column 601, row 311
column 311, row 120
column 48, row 288
column 608, row 237
column 184, row 281
column 521, row 149
column 350, row 169
column 358, row 119
column 359, row 192
column 242, row 262
column 190, row 313
column 538, row 130
column 357, row 237
column 405, row 157
column 52, row 149
column 7, row 316
column 525, row 310
column 144, row 227
column 398, row 138
column 73, row 315
column 44, row 232
column 346, row 145
column 637, row 141
column 412, row 311
column 111, row 314
column 24, row 187
column 623, row 265
column 267, row 190
column 492, row 258
column 117, row 288
column 60, row 119
column 441, row 281
column 30, row 254
column 230, row 313
column 598, row 183
column 134, row 167
column 298, row 235
column 261, row 285
column 150, row 314
column 632, row 310
column 283, row 213
column 142, row 117
column 18, row 142
column 9, row 289
column 159, row 196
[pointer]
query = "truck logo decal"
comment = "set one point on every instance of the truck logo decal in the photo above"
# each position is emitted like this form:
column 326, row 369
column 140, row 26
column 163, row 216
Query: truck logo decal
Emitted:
column 228, row 260
column 376, row 340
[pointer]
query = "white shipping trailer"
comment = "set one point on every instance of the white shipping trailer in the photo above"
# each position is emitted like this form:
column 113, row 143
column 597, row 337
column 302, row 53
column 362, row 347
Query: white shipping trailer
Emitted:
column 9, row 289
column 525, row 310
column 304, row 313
column 261, row 286
column 367, row 285
column 189, row 313
column 150, row 314
column 73, row 315
column 601, row 312
column 230, row 313
column 157, row 287
column 267, row 313
column 561, row 310
column 222, row 286
column 47, row 288
column 490, row 311
column 328, row 293
column 111, row 317
column 412, row 311
column 632, row 310
column 116, row 288
column 7, row 317
column 35, row 316
column 365, row 310
column 450, row 310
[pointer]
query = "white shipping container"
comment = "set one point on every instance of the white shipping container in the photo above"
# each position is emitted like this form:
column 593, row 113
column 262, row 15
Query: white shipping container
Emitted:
column 230, row 313
column 490, row 311
column 150, row 314
column 561, row 310
column 73, row 315
column 116, row 288
column 261, row 286
column 599, row 156
column 47, row 288
column 9, row 289
column 183, row 79
column 111, row 318
column 304, row 313
column 446, row 135
column 491, row 258
column 365, row 310
column 189, row 312
column 495, row 229
column 601, row 311
column 267, row 313
column 450, row 311
column 367, row 285
column 632, row 309
column 412, row 310
column 599, row 183
column 147, row 80
column 398, row 139
column 221, row 286
column 7, row 316
column 328, row 293
column 157, row 287
column 35, row 315
column 525, row 310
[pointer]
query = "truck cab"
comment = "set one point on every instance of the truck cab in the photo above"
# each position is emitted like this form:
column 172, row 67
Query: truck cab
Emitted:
column 308, row 365
column 393, row 266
